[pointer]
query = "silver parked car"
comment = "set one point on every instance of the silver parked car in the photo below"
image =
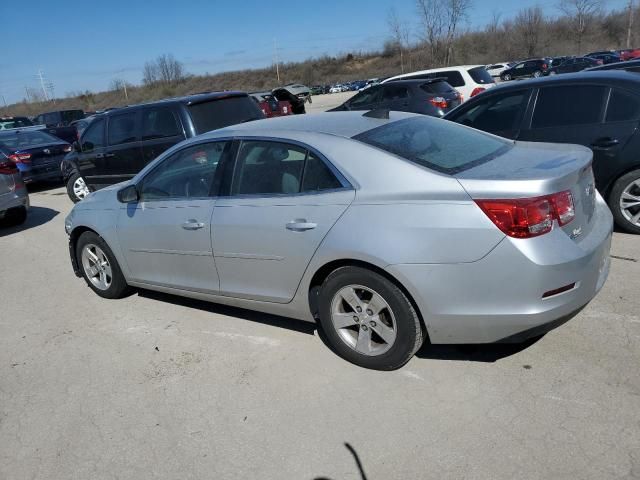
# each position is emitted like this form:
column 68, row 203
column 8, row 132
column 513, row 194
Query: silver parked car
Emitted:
column 387, row 229
column 14, row 199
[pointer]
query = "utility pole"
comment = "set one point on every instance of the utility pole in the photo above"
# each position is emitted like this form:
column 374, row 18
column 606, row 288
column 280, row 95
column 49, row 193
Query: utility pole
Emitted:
column 4, row 101
column 124, row 85
column 275, row 56
column 26, row 90
column 44, row 90
column 630, row 24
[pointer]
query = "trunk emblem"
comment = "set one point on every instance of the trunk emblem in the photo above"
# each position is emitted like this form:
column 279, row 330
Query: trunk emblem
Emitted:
column 590, row 189
column 46, row 151
column 576, row 233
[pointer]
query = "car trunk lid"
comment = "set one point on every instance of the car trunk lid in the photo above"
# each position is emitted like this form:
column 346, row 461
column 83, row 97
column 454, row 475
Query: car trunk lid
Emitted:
column 530, row 170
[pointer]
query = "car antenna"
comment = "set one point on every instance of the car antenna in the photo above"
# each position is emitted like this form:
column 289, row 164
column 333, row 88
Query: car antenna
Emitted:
column 382, row 113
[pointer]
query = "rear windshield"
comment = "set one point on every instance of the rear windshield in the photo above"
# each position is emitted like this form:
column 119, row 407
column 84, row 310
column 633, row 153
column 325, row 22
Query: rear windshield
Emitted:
column 221, row 113
column 436, row 144
column 26, row 138
column 437, row 87
column 15, row 122
column 69, row 116
column 480, row 75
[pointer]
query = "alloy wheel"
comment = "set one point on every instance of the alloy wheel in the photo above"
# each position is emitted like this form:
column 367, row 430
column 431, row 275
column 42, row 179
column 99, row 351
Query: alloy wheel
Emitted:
column 363, row 320
column 80, row 188
column 96, row 266
column 630, row 202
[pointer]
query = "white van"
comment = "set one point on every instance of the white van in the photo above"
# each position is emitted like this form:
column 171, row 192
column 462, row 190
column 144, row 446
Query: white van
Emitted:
column 469, row 80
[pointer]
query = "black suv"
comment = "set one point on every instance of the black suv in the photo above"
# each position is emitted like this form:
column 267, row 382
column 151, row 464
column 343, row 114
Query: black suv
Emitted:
column 432, row 97
column 534, row 67
column 119, row 143
column 600, row 110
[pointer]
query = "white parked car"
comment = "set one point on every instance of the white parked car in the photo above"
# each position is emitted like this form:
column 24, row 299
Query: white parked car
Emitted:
column 469, row 80
column 336, row 89
column 495, row 69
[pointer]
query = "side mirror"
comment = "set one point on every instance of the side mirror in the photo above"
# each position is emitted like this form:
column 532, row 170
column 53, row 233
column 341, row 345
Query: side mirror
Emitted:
column 76, row 146
column 128, row 194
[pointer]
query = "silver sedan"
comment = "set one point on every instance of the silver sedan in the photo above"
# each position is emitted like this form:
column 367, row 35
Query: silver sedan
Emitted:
column 387, row 229
column 14, row 199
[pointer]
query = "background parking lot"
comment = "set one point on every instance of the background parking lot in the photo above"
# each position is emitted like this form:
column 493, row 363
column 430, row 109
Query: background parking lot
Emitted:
column 156, row 386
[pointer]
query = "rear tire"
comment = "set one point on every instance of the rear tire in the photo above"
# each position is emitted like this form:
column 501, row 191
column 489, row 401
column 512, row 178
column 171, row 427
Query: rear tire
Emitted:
column 368, row 320
column 99, row 267
column 77, row 188
column 623, row 203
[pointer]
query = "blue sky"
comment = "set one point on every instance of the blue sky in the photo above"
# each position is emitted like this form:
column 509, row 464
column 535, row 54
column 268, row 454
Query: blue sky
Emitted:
column 82, row 44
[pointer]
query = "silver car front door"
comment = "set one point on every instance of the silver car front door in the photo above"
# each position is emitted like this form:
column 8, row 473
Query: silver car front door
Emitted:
column 166, row 235
column 266, row 232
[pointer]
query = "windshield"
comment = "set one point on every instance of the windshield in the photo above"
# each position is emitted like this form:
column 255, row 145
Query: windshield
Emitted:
column 26, row 139
column 480, row 75
column 223, row 112
column 436, row 144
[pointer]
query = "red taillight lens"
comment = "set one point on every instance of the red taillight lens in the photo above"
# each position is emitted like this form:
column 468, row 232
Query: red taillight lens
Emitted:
column 476, row 91
column 8, row 168
column 544, row 66
column 529, row 217
column 20, row 158
column 439, row 102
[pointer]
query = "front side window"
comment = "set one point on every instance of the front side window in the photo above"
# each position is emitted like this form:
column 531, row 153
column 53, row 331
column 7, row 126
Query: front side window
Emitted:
column 188, row 173
column 159, row 123
column 395, row 92
column 497, row 113
column 568, row 105
column 122, row 129
column 93, row 136
column 367, row 97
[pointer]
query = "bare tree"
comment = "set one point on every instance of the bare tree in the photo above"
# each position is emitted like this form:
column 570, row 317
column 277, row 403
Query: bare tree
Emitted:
column 164, row 69
column 432, row 19
column 528, row 24
column 454, row 12
column 400, row 34
column 581, row 14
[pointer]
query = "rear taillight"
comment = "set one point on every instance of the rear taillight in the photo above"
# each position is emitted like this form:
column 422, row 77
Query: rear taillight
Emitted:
column 476, row 91
column 8, row 168
column 529, row 217
column 20, row 158
column 66, row 148
column 439, row 102
column 544, row 66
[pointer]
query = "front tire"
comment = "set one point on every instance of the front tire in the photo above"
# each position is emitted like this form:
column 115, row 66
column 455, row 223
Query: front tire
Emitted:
column 77, row 189
column 368, row 320
column 624, row 202
column 99, row 267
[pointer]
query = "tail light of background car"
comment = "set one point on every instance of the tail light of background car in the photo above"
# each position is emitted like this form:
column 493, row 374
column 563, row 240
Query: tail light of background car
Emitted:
column 8, row 168
column 20, row 158
column 545, row 66
column 439, row 102
column 476, row 91
column 529, row 217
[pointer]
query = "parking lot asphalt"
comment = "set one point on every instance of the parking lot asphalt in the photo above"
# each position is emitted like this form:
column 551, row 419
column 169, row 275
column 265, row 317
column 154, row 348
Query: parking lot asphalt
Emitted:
column 155, row 386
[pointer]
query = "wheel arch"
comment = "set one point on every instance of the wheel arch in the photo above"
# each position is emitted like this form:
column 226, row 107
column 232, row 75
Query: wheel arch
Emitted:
column 607, row 190
column 325, row 270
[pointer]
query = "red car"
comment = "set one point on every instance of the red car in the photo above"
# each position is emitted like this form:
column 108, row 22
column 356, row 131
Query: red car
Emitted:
column 629, row 54
column 271, row 106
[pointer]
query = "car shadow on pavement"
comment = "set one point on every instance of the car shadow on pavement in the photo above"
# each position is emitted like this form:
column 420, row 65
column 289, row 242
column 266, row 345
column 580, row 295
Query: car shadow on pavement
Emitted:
column 490, row 352
column 37, row 216
column 43, row 187
column 250, row 315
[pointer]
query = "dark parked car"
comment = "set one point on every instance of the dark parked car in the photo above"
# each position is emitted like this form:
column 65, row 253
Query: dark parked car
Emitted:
column 573, row 65
column 605, row 57
column 14, row 122
column 36, row 154
column 600, row 110
column 535, row 67
column 119, row 143
column 58, row 123
column 555, row 61
column 630, row 66
column 432, row 97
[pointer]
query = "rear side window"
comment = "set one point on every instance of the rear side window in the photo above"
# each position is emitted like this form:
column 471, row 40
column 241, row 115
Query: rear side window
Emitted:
column 435, row 144
column 453, row 77
column 317, row 176
column 122, row 129
column 207, row 116
column 159, row 123
column 437, row 87
column 623, row 107
column 480, row 75
column 568, row 105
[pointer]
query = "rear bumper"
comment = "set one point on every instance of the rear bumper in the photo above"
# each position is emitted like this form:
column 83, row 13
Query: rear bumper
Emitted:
column 500, row 297
column 41, row 172
column 14, row 199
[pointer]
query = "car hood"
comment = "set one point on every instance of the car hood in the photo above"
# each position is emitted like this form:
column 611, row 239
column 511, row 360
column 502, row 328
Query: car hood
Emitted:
column 104, row 199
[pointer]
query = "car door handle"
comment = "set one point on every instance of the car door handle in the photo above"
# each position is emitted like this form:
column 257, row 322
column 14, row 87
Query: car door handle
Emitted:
column 192, row 225
column 604, row 143
column 105, row 155
column 300, row 225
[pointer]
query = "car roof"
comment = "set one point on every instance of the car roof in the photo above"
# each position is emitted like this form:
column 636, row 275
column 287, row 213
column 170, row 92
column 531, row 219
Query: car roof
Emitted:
column 341, row 124
column 619, row 77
